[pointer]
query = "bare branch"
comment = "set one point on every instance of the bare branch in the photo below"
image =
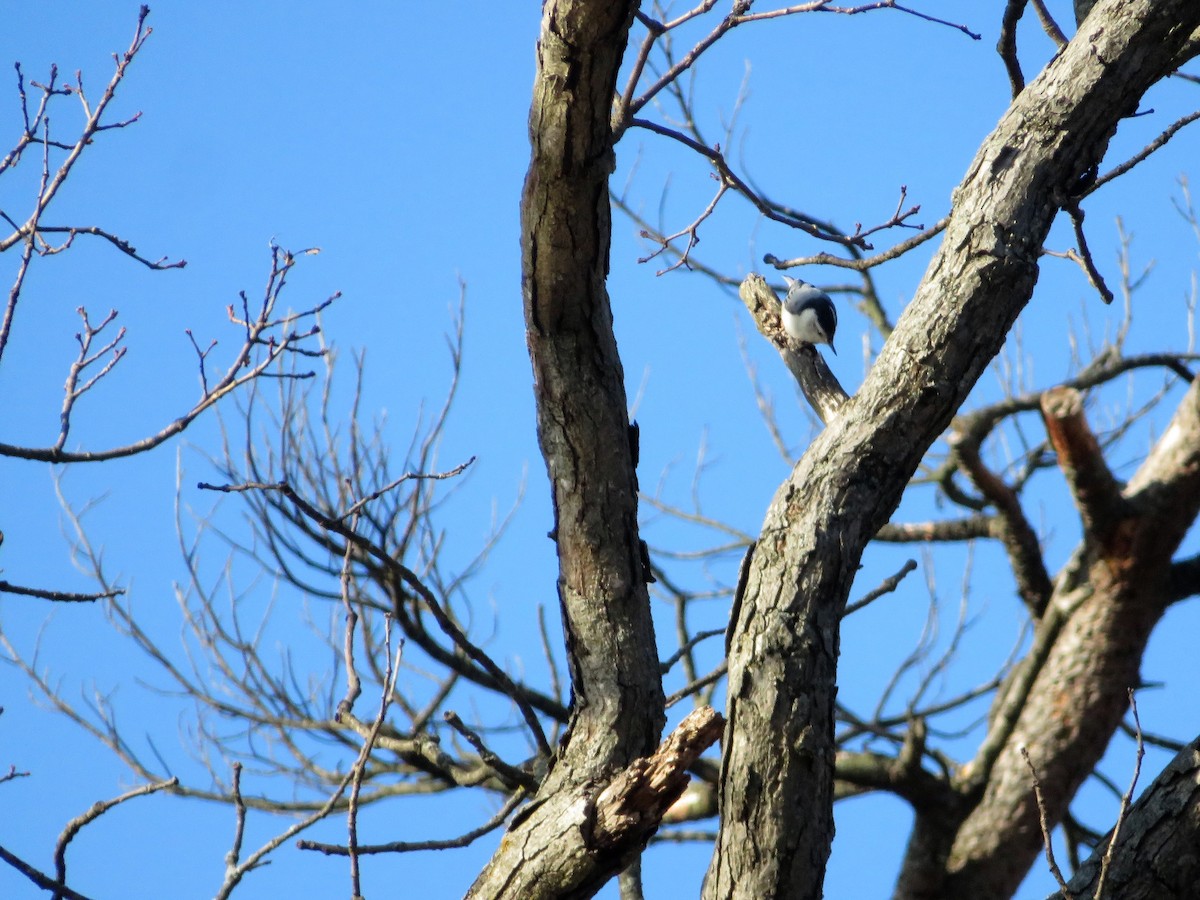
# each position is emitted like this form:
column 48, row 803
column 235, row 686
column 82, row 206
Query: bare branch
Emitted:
column 7, row 587
column 509, row 773
column 1142, row 155
column 1006, row 46
column 92, row 814
column 408, row 578
column 158, row 265
column 407, row 476
column 364, row 754
column 91, row 128
column 967, row 529
column 464, row 840
column 45, row 882
column 1037, row 793
column 821, row 388
column 636, row 799
column 729, row 179
column 269, row 338
column 704, row 681
column 1096, row 492
column 234, row 875
column 1084, row 256
column 239, row 829
column 860, row 265
column 1049, row 25
column 1126, row 800
column 886, row 586
column 1020, row 540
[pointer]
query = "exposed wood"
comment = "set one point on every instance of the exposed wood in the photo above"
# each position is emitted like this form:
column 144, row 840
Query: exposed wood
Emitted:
column 1096, row 492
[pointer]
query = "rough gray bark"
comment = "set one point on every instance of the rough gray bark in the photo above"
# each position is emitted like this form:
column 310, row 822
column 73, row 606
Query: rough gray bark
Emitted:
column 1155, row 855
column 553, row 848
column 777, row 770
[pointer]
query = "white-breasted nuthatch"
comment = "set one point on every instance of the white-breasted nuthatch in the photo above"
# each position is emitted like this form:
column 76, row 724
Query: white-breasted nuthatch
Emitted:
column 808, row 313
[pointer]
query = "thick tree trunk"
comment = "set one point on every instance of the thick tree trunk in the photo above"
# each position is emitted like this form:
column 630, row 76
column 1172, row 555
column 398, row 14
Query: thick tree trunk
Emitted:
column 777, row 770
column 553, row 849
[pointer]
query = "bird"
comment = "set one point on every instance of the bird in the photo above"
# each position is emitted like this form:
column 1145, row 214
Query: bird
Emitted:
column 808, row 313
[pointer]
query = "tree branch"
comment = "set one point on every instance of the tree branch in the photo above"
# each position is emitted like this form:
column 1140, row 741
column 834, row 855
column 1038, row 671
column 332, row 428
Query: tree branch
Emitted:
column 1096, row 492
column 1164, row 824
column 778, row 761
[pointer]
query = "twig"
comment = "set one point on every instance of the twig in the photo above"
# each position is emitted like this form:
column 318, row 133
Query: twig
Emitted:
column 1049, row 25
column 45, row 882
column 12, row 774
column 886, row 586
column 739, row 14
column 1141, row 156
column 505, row 771
column 410, row 846
column 7, row 587
column 864, row 8
column 239, row 825
column 202, row 357
column 92, row 814
column 391, row 671
column 655, row 235
column 665, row 665
column 160, row 264
column 1126, row 800
column 860, row 264
column 267, row 339
column 729, row 178
column 691, row 231
column 703, row 681
column 14, row 295
column 1037, row 794
column 409, row 578
column 1154, row 740
column 71, row 390
column 407, row 476
column 353, row 682
column 1006, row 46
column 93, row 125
column 1084, row 258
column 233, row 877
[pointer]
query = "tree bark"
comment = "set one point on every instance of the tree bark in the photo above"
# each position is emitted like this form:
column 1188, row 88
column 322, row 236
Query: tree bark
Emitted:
column 777, row 769
column 1155, row 853
column 583, row 429
column 1104, row 611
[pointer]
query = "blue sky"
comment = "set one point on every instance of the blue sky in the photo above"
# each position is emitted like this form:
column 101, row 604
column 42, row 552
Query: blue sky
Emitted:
column 394, row 138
